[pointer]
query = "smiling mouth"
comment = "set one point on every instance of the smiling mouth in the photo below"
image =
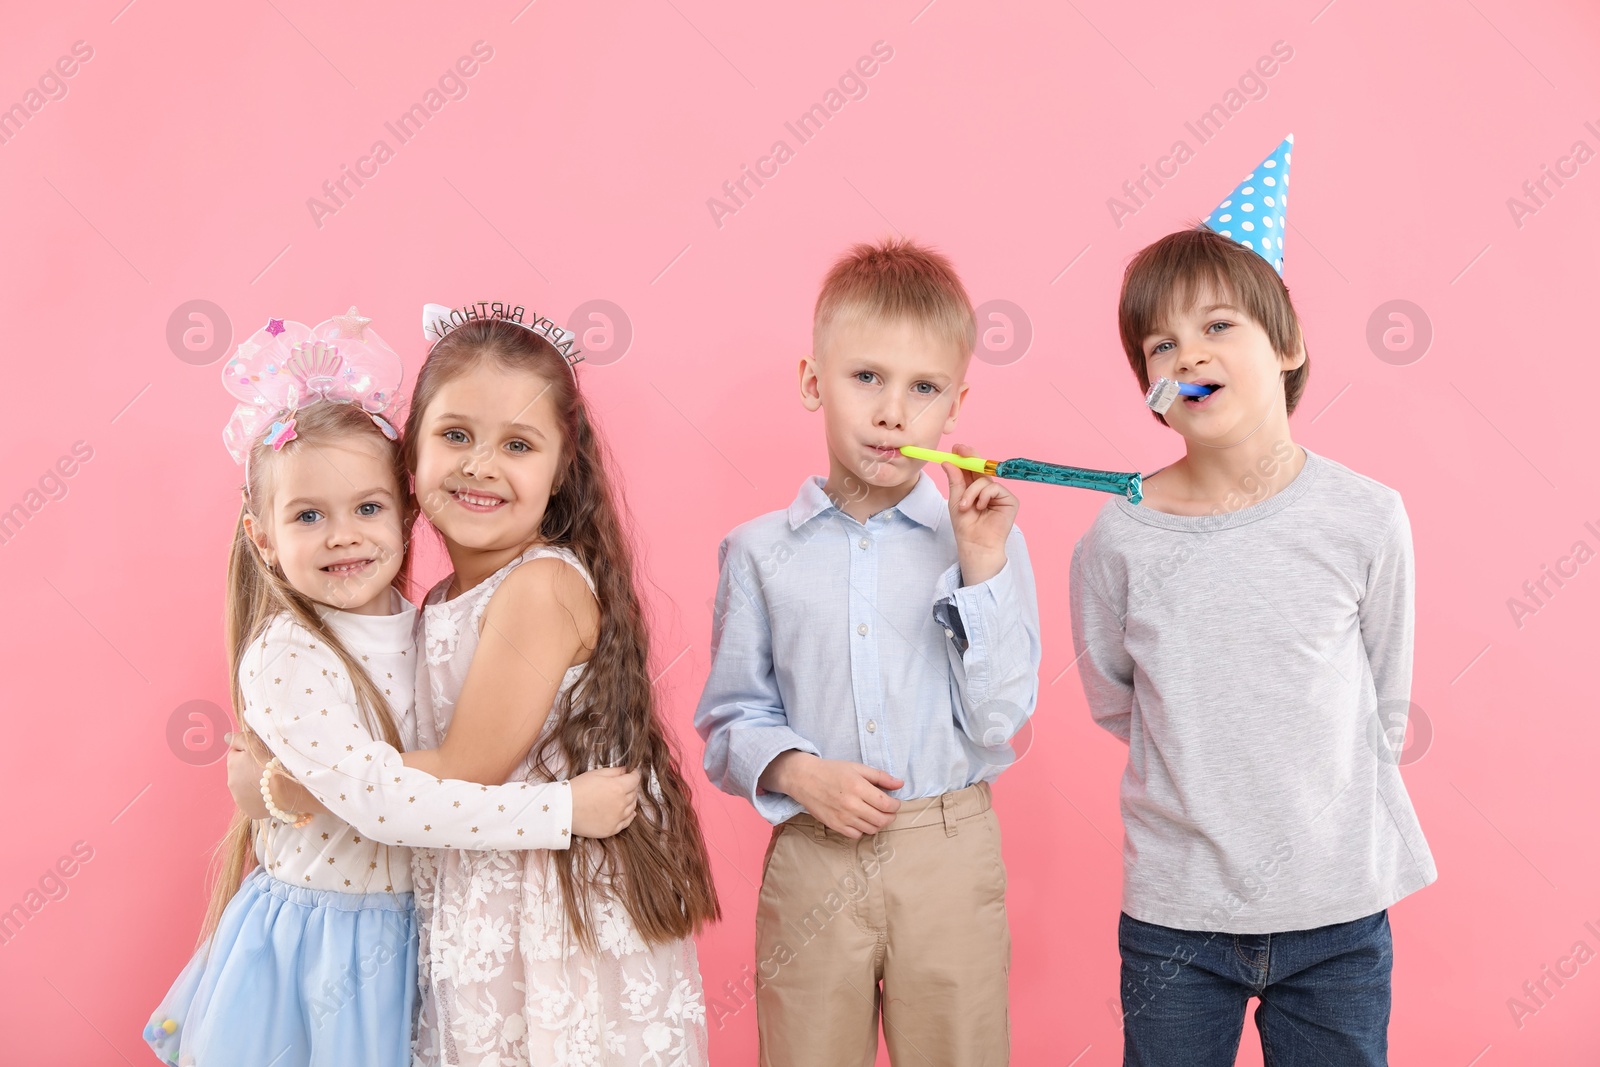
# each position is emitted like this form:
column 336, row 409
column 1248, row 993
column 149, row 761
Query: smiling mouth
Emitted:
column 340, row 570
column 476, row 501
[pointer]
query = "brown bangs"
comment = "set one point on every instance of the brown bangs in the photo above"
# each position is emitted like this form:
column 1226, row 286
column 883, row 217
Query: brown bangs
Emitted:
column 1168, row 277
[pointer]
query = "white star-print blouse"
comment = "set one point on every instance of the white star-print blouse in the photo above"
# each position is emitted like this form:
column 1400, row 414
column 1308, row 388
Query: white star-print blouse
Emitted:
column 298, row 699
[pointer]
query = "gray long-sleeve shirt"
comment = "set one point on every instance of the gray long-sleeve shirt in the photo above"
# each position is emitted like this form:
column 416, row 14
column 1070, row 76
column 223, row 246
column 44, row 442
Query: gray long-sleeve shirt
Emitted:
column 1257, row 662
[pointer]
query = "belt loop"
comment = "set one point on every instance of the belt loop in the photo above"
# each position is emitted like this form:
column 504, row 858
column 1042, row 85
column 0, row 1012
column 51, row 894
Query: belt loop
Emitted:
column 818, row 830
column 948, row 803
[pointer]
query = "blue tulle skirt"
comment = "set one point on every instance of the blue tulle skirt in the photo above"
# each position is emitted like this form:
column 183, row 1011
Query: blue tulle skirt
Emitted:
column 296, row 977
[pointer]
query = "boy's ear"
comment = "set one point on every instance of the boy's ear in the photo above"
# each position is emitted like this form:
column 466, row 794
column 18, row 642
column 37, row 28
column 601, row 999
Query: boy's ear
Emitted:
column 1294, row 360
column 810, row 386
column 955, row 407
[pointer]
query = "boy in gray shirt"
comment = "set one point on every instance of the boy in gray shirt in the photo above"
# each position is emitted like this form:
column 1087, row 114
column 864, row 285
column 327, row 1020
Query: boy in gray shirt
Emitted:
column 1247, row 631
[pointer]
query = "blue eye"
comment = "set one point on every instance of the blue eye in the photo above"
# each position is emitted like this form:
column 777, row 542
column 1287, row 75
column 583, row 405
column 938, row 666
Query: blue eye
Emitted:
column 363, row 511
column 1160, row 348
column 1224, row 325
column 458, row 437
column 302, row 517
column 932, row 390
column 865, row 377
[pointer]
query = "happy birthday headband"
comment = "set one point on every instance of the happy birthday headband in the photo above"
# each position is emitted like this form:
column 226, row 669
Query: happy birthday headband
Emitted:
column 438, row 320
column 287, row 365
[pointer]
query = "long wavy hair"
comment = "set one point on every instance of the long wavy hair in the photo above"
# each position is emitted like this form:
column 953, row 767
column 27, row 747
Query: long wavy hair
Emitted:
column 258, row 594
column 658, row 867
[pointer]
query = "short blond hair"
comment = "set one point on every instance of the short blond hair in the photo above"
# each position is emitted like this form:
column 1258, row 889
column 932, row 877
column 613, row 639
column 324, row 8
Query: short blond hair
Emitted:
column 896, row 279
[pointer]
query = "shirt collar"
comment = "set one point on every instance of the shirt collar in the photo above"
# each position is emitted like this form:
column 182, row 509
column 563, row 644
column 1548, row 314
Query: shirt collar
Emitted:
column 923, row 505
column 374, row 633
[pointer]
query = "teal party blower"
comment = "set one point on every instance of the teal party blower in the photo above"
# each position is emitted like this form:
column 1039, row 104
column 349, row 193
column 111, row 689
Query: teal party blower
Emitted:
column 1031, row 470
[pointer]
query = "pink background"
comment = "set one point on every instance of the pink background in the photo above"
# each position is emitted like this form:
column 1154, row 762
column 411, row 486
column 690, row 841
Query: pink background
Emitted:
column 178, row 165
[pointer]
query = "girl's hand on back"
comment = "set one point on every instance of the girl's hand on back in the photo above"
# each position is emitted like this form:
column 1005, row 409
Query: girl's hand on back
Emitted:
column 604, row 801
column 244, row 776
column 247, row 755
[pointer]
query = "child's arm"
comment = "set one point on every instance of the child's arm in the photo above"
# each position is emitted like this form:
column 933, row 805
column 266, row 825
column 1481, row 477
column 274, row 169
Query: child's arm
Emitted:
column 989, row 608
column 537, row 624
column 535, row 627
column 1102, row 657
column 603, row 801
column 298, row 703
column 1386, row 614
column 750, row 749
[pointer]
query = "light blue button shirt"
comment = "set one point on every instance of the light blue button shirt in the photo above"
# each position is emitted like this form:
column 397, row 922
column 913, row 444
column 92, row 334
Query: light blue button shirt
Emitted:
column 856, row 641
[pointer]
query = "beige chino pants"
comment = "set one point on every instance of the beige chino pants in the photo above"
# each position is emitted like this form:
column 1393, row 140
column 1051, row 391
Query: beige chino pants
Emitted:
column 910, row 921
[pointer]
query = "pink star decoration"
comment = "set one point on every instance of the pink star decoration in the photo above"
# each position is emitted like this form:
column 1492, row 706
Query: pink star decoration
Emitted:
column 352, row 324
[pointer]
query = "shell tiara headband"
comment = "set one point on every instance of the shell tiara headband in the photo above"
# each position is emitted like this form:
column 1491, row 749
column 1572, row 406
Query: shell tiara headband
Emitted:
column 438, row 320
column 286, row 365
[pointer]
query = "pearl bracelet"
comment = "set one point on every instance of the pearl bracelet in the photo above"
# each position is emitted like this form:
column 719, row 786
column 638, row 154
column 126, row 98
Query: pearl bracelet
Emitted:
column 297, row 819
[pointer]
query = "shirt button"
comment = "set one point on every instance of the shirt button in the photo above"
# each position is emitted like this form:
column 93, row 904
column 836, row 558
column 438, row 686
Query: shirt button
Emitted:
column 949, row 632
column 862, row 629
column 872, row 726
column 864, row 542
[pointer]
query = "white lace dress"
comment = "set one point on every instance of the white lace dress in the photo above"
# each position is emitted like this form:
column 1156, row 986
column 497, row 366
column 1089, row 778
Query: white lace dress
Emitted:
column 503, row 982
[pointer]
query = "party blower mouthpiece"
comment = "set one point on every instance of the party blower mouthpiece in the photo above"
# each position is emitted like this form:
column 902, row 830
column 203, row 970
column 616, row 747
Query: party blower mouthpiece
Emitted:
column 1032, row 470
column 1164, row 391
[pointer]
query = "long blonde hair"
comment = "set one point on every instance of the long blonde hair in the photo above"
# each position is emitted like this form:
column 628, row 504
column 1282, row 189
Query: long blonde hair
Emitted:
column 258, row 594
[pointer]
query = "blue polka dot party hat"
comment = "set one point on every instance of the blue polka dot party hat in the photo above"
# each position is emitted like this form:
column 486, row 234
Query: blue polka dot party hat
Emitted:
column 1253, row 212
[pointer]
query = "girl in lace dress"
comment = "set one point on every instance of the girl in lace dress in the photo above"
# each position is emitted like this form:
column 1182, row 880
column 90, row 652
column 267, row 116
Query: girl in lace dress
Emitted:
column 535, row 667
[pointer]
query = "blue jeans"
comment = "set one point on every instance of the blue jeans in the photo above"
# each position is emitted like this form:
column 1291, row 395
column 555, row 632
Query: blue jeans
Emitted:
column 1324, row 994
